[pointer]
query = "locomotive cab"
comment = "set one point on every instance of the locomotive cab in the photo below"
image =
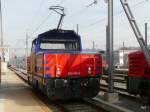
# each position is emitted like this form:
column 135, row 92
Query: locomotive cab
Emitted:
column 57, row 40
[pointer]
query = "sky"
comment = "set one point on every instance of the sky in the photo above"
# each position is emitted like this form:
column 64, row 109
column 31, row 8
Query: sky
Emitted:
column 32, row 17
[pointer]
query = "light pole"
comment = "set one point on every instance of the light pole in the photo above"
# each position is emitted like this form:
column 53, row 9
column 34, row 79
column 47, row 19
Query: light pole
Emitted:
column 1, row 22
column 110, row 96
column 123, row 54
column 146, row 33
column 110, row 36
column 26, row 56
column 1, row 58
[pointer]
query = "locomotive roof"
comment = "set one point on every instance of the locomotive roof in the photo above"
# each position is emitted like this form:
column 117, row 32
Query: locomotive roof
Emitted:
column 59, row 34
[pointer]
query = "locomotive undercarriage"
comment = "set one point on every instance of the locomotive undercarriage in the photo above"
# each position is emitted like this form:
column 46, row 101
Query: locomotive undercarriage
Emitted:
column 72, row 88
column 139, row 85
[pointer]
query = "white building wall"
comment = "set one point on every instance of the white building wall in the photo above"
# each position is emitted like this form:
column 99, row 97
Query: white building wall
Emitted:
column 123, row 56
column 5, row 51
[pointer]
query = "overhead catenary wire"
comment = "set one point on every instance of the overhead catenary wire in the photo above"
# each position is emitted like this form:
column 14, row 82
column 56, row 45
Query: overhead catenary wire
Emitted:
column 40, row 6
column 91, row 4
column 61, row 2
column 92, row 24
column 37, row 12
column 118, row 13
column 86, row 7
column 41, row 24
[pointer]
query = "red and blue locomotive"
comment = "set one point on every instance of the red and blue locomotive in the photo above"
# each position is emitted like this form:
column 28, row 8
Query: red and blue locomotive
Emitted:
column 58, row 66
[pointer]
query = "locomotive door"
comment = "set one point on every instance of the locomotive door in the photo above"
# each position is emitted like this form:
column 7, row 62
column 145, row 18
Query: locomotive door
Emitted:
column 32, row 65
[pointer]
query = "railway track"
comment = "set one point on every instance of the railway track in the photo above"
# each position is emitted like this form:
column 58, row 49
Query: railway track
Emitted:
column 120, row 76
column 122, row 92
column 82, row 105
column 120, row 80
column 120, row 84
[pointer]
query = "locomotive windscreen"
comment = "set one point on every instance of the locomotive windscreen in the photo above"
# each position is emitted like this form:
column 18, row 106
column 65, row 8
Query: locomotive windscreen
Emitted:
column 60, row 45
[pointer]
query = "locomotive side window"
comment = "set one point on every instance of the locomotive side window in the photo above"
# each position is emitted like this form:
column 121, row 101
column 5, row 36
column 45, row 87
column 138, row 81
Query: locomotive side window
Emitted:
column 72, row 46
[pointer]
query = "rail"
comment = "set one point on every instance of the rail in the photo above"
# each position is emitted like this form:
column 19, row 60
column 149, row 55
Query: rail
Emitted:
column 83, row 105
column 120, row 84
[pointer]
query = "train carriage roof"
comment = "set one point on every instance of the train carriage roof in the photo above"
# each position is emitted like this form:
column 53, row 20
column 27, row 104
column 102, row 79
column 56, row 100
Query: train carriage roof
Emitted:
column 59, row 34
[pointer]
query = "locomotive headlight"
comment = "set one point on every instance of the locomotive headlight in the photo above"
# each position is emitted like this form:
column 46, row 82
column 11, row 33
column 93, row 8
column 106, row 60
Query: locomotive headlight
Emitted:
column 58, row 72
column 89, row 70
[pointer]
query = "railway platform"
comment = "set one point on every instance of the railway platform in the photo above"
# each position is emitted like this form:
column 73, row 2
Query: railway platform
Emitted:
column 16, row 96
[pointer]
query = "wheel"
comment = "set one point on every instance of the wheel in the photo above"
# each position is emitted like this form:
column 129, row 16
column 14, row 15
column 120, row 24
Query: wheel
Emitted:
column 50, row 90
column 29, row 80
column 35, row 85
